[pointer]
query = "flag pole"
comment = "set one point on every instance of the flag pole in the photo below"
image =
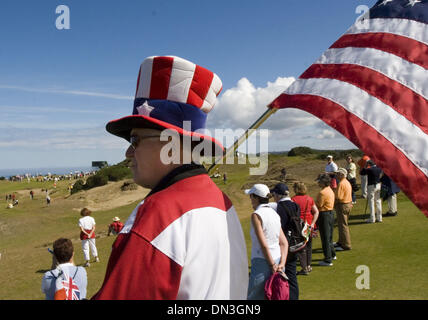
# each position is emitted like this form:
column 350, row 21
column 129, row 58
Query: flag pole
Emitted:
column 270, row 111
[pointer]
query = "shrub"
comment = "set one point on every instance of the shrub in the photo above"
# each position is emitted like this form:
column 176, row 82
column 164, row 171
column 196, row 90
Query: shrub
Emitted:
column 78, row 185
column 129, row 186
column 300, row 151
column 97, row 180
column 117, row 172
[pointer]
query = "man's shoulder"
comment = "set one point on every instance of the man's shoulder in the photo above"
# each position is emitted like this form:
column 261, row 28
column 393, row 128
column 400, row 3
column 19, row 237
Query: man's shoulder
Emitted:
column 197, row 190
column 51, row 274
column 327, row 191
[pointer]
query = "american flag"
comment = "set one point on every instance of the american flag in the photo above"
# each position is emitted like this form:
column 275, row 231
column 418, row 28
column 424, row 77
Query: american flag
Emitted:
column 371, row 85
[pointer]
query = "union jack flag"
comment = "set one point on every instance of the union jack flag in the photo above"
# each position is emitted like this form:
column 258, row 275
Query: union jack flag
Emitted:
column 66, row 289
column 371, row 86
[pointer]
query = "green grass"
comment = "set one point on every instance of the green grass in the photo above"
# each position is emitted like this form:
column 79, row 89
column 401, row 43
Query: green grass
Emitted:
column 394, row 251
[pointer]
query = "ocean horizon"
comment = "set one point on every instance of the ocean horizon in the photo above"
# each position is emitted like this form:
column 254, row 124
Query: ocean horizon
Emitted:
column 44, row 171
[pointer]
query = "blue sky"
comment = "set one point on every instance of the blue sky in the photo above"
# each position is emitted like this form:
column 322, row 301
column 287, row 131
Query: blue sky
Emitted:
column 58, row 88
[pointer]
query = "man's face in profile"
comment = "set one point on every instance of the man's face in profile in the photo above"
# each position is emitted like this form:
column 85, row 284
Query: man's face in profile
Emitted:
column 144, row 155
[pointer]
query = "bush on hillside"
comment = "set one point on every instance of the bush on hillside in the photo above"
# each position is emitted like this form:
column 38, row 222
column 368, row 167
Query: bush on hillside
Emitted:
column 97, row 180
column 300, row 151
column 322, row 154
column 129, row 186
column 341, row 154
column 78, row 186
column 117, row 172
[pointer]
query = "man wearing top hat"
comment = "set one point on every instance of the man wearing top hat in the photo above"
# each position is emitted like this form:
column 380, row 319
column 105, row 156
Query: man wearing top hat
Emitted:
column 184, row 240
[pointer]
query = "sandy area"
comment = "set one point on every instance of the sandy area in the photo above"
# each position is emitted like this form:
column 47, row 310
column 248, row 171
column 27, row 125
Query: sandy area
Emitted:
column 109, row 196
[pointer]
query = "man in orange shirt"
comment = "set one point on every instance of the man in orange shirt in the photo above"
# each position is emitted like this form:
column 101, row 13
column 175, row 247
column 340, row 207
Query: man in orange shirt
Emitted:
column 325, row 204
column 343, row 206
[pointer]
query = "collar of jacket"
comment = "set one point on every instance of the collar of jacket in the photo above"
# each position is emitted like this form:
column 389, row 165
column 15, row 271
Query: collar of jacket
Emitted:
column 180, row 173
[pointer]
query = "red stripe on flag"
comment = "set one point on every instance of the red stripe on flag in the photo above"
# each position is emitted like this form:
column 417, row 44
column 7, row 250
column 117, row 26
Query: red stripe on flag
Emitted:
column 399, row 97
column 201, row 83
column 396, row 165
column 161, row 74
column 406, row 48
column 138, row 82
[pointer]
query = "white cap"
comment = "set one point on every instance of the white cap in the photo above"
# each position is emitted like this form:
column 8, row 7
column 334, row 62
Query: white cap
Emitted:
column 259, row 189
column 343, row 171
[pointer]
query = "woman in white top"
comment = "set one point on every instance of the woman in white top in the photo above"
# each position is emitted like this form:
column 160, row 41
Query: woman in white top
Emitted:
column 269, row 245
column 87, row 235
column 352, row 175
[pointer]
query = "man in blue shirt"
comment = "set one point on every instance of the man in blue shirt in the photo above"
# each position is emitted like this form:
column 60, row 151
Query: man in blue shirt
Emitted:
column 63, row 253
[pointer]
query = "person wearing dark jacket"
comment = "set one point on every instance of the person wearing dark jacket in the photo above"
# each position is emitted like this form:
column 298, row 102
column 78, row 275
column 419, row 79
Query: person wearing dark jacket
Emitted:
column 373, row 173
column 391, row 190
column 281, row 195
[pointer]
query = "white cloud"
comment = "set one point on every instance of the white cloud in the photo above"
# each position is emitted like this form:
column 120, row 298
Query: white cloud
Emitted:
column 242, row 105
column 326, row 134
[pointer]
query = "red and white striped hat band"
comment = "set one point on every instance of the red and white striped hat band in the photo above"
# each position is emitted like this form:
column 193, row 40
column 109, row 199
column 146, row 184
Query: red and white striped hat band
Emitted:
column 176, row 79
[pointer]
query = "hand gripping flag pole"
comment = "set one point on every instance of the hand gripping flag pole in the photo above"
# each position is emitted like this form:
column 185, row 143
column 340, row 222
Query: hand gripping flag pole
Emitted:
column 241, row 139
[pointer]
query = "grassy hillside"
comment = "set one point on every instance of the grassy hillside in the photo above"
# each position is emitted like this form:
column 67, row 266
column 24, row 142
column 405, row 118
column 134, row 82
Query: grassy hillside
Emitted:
column 394, row 251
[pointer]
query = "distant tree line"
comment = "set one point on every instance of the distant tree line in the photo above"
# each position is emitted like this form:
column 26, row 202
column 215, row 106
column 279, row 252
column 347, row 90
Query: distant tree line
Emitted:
column 322, row 154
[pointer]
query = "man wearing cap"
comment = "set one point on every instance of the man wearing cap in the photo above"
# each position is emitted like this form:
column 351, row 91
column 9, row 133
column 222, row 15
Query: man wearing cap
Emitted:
column 325, row 204
column 374, row 174
column 269, row 245
column 285, row 205
column 343, row 206
column 115, row 227
column 184, row 240
column 331, row 168
column 362, row 164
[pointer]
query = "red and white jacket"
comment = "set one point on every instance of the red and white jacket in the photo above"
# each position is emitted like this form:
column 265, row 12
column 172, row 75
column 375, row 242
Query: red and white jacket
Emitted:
column 182, row 242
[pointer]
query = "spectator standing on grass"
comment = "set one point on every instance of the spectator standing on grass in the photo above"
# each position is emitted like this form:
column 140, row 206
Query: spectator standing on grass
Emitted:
column 184, row 240
column 325, row 205
column 62, row 261
column 373, row 173
column 269, row 246
column 308, row 213
column 286, row 209
column 362, row 164
column 351, row 168
column 87, row 235
column 331, row 169
column 343, row 206
column 391, row 190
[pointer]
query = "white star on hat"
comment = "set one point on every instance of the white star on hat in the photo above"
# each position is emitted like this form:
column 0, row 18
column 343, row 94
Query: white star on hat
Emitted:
column 145, row 109
column 413, row 2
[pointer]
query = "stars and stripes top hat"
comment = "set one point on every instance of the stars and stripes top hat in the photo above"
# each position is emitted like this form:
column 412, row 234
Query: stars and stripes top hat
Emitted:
column 172, row 93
